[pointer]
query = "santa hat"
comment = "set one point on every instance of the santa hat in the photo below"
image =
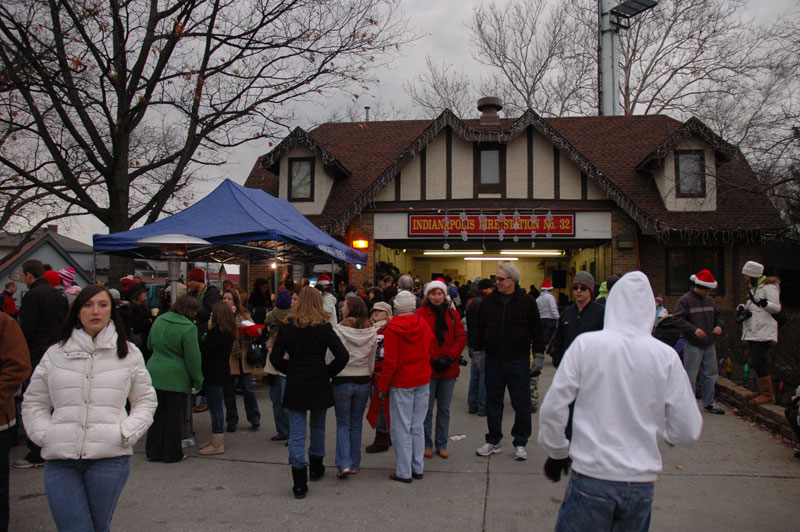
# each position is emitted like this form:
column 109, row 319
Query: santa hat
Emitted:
column 127, row 282
column 324, row 280
column 704, row 279
column 546, row 285
column 67, row 275
column 53, row 279
column 197, row 275
column 436, row 283
column 250, row 329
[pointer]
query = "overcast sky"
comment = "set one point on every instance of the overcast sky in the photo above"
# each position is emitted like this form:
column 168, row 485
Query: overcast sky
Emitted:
column 443, row 26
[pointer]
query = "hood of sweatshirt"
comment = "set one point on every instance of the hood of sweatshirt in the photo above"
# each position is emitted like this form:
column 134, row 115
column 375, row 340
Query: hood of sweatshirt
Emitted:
column 356, row 337
column 409, row 327
column 630, row 305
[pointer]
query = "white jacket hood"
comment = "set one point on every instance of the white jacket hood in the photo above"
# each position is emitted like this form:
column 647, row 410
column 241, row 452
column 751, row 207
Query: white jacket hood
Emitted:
column 631, row 305
column 361, row 344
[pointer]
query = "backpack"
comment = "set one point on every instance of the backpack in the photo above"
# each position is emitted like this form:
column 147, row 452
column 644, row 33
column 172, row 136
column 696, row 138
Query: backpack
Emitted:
column 668, row 331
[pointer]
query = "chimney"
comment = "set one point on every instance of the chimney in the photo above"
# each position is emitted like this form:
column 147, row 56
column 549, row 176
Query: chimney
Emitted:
column 489, row 106
column 366, row 111
column 52, row 228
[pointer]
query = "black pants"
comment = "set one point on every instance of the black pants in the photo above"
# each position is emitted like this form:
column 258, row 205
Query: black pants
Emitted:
column 758, row 358
column 5, row 446
column 791, row 416
column 165, row 434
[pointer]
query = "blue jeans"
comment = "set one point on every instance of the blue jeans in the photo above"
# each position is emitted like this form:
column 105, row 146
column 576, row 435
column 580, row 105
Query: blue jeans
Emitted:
column 82, row 494
column 514, row 375
column 297, row 435
column 350, row 401
column 594, row 504
column 442, row 394
column 476, row 396
column 407, row 408
column 214, row 399
column 548, row 329
column 693, row 358
column 249, row 396
column 280, row 414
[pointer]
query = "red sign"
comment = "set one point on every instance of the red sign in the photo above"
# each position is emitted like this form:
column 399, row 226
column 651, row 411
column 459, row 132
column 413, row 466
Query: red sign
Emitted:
column 490, row 224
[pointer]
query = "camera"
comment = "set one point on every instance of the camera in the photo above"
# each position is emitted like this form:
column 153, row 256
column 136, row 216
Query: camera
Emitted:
column 743, row 314
column 462, row 361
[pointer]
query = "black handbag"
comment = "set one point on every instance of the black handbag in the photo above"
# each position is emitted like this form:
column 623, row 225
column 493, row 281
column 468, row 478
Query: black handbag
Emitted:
column 257, row 354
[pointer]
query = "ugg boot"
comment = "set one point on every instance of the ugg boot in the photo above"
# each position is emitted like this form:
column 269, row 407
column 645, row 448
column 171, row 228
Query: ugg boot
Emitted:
column 315, row 470
column 381, row 443
column 767, row 396
column 753, row 395
column 300, row 477
column 217, row 445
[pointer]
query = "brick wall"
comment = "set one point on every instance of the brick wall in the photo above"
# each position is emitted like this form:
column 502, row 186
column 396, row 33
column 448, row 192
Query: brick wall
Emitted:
column 623, row 260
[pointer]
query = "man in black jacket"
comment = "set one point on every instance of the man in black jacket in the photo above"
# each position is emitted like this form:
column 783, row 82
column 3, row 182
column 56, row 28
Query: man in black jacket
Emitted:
column 43, row 310
column 508, row 330
column 582, row 316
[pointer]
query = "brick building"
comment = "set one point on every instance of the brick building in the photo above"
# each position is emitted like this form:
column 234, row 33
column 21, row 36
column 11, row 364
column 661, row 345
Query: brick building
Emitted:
column 603, row 194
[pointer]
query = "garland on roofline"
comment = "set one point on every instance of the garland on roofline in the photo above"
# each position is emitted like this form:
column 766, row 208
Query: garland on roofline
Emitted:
column 447, row 119
column 693, row 126
column 712, row 236
column 298, row 137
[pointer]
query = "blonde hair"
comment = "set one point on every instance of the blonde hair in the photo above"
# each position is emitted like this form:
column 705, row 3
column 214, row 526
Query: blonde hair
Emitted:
column 308, row 311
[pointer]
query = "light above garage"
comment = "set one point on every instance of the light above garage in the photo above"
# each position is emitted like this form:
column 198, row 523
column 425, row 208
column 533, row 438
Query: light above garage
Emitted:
column 491, row 258
column 451, row 253
column 536, row 253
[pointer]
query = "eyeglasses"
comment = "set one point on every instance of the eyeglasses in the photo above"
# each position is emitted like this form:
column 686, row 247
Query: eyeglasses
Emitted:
column 501, row 279
column 579, row 287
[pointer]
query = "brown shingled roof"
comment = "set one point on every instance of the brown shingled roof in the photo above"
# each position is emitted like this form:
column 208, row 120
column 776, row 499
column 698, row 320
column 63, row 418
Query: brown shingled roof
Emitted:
column 608, row 147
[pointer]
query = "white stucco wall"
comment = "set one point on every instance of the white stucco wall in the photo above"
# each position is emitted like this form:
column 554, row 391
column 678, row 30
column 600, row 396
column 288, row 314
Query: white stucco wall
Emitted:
column 323, row 182
column 436, row 168
column 462, row 169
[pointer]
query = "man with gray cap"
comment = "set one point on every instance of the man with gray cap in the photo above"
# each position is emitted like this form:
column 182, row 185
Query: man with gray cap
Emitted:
column 582, row 316
column 508, row 330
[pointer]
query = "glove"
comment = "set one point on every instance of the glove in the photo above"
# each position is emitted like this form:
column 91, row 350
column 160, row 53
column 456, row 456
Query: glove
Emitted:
column 762, row 302
column 479, row 360
column 441, row 364
column 553, row 468
column 538, row 364
column 383, row 395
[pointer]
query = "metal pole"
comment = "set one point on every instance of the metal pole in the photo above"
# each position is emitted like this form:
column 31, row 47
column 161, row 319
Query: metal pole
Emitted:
column 608, row 65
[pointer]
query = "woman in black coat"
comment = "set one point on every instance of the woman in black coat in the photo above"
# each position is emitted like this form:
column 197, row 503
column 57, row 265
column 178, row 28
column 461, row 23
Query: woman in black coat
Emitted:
column 215, row 349
column 305, row 338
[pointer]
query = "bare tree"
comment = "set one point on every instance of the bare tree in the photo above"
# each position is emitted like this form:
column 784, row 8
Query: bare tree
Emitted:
column 109, row 108
column 442, row 87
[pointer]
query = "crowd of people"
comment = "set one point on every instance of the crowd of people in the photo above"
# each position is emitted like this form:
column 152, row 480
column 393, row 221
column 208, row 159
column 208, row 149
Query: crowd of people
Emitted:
column 392, row 353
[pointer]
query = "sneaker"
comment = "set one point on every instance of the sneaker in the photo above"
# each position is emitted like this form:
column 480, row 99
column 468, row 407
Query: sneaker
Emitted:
column 200, row 408
column 24, row 463
column 520, row 453
column 417, row 476
column 393, row 476
column 488, row 448
column 255, row 425
column 342, row 475
column 711, row 409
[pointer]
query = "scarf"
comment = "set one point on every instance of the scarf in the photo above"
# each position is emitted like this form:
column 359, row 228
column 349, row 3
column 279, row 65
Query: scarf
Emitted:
column 440, row 311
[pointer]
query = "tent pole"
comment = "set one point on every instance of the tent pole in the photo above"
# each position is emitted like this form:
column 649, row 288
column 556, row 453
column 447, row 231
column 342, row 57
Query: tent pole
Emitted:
column 275, row 270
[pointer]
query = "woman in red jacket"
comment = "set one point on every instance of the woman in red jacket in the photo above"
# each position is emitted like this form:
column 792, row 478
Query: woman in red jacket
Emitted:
column 406, row 371
column 445, row 323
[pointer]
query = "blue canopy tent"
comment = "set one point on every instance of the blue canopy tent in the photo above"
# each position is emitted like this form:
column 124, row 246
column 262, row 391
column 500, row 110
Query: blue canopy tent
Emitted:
column 232, row 214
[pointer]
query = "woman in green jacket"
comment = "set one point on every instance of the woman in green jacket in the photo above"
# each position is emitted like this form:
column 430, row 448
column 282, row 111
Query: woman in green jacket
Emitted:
column 175, row 368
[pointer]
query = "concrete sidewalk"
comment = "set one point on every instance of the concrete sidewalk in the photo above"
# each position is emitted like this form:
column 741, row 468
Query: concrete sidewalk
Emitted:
column 738, row 477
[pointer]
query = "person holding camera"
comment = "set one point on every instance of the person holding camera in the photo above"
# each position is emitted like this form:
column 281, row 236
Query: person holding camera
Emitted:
column 701, row 323
column 759, row 328
column 447, row 327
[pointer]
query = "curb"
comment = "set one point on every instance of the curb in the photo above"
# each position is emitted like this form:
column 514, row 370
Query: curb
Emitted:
column 770, row 415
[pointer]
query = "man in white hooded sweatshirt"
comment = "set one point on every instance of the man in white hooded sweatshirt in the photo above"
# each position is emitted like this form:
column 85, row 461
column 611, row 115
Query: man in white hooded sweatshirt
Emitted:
column 629, row 390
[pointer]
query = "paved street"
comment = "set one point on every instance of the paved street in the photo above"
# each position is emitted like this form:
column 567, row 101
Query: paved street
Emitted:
column 737, row 477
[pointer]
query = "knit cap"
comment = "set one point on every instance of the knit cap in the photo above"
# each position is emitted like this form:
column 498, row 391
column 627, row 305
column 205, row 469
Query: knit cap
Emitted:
column 436, row 283
column 704, row 279
column 67, row 275
column 53, row 279
column 405, row 302
column 283, row 300
column 197, row 275
column 753, row 269
column 586, row 279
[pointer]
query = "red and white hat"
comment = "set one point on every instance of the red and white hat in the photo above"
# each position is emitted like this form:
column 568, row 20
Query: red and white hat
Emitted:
column 437, row 283
column 67, row 275
column 324, row 280
column 704, row 278
column 546, row 285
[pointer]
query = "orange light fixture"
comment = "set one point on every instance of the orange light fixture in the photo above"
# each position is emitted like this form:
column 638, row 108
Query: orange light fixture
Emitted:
column 361, row 244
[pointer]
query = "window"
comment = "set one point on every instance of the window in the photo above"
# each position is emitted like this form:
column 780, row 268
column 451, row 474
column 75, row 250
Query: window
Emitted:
column 682, row 263
column 301, row 179
column 690, row 173
column 490, row 168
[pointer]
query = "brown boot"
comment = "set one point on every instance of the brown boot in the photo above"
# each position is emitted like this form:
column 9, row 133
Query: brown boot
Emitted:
column 217, row 445
column 767, row 396
column 381, row 443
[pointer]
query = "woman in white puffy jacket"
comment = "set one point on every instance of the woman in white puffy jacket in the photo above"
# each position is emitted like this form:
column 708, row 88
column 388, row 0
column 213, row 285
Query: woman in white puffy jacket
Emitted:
column 74, row 409
column 759, row 328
